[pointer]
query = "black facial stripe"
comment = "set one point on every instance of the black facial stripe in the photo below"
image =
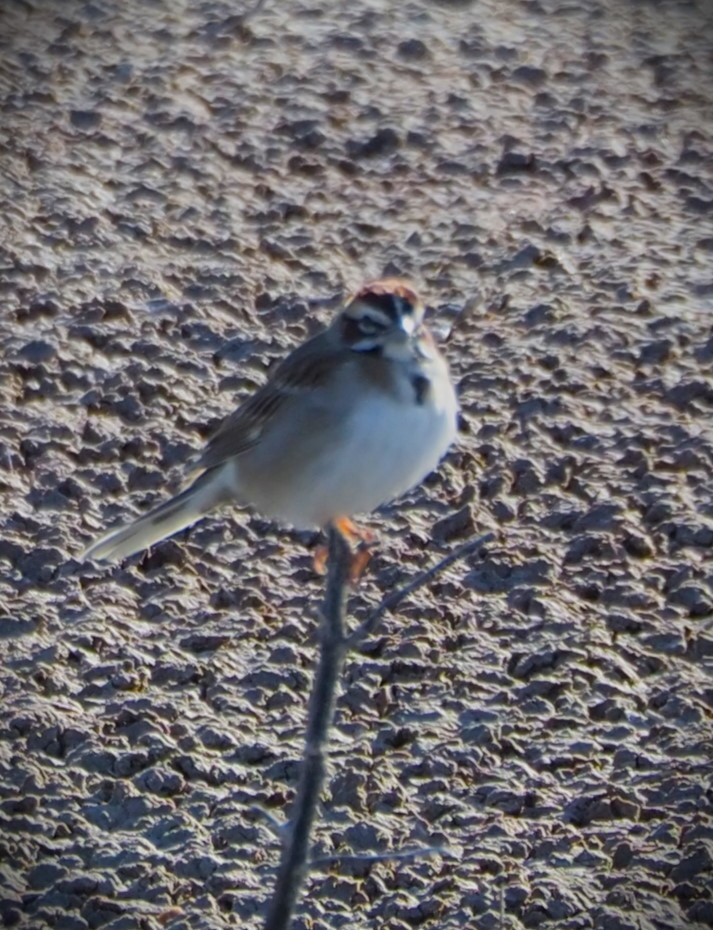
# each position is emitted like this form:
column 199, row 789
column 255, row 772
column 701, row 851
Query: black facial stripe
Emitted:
column 390, row 305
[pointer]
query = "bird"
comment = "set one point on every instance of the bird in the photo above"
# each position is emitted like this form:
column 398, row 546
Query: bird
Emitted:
column 351, row 419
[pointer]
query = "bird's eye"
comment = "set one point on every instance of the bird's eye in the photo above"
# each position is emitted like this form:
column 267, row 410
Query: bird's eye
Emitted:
column 368, row 326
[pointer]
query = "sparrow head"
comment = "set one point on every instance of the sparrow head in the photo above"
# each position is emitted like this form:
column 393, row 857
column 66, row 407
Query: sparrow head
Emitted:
column 382, row 317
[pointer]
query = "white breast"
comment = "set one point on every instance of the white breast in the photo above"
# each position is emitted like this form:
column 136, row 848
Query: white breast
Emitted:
column 387, row 446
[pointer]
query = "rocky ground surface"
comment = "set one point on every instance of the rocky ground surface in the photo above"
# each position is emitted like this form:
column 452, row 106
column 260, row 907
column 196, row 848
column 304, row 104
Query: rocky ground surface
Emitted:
column 185, row 193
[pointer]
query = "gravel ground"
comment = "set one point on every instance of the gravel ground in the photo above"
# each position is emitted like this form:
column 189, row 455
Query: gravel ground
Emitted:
column 186, row 193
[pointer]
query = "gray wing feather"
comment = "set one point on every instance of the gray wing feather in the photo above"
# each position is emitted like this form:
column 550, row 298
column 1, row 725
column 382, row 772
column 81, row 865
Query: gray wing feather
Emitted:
column 310, row 366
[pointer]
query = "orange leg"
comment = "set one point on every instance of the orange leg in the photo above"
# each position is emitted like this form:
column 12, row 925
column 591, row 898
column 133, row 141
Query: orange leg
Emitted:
column 353, row 533
column 359, row 539
column 319, row 559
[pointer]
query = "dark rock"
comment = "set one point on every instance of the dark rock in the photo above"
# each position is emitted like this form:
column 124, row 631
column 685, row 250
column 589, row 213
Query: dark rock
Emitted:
column 584, row 810
column 673, row 643
column 658, row 512
column 37, row 351
column 98, row 911
column 347, row 42
column 27, row 803
column 384, row 142
column 412, row 50
column 655, row 353
column 624, row 623
column 700, row 648
column 129, row 409
column 702, row 912
column 39, row 565
column 348, row 790
column 637, row 545
column 685, row 892
column 605, row 919
column 624, row 809
column 69, row 922
column 215, row 739
column 599, row 517
column 608, row 710
column 527, row 74
column 81, row 885
column 524, row 666
column 694, row 599
column 364, row 837
column 125, row 922
column 85, row 119
column 41, row 306
column 683, row 394
column 527, row 256
column 526, row 479
column 691, row 866
column 455, row 525
column 698, row 205
column 516, row 163
column 167, row 552
column 478, row 902
column 204, row 642
column 537, row 315
column 253, row 754
column 534, row 915
column 10, row 627
column 129, row 763
column 623, row 854
column 10, row 912
column 197, row 868
column 583, row 547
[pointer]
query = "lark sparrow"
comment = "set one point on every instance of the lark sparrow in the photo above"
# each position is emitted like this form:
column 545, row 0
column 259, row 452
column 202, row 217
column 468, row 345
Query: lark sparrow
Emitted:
column 349, row 420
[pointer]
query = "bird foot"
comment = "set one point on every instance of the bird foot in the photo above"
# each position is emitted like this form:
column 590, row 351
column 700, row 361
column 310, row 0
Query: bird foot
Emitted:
column 354, row 534
column 360, row 539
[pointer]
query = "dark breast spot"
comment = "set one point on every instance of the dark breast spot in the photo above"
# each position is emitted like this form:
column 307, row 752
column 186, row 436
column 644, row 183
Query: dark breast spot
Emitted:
column 420, row 385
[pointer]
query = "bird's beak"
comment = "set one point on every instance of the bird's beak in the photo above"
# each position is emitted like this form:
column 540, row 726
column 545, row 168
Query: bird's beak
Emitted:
column 406, row 327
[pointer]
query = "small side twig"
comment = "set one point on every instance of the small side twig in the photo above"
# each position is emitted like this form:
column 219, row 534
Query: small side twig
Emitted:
column 391, row 601
column 295, row 859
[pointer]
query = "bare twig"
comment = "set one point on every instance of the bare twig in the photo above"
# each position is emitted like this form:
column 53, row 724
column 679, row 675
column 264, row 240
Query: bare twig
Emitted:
column 394, row 599
column 295, row 852
column 294, row 862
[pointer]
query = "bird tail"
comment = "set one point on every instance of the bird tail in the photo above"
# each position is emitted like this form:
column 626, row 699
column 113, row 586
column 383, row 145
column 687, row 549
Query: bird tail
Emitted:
column 207, row 492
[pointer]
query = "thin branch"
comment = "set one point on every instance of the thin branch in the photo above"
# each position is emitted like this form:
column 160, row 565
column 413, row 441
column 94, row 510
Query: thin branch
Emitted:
column 295, row 853
column 392, row 600
column 294, row 862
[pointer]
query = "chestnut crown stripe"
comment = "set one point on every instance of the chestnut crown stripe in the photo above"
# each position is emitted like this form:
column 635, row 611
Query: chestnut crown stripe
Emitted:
column 384, row 306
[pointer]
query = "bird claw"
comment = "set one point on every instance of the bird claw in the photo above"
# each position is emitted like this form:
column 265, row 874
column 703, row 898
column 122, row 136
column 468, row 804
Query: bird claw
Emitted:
column 359, row 537
column 354, row 534
column 319, row 559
